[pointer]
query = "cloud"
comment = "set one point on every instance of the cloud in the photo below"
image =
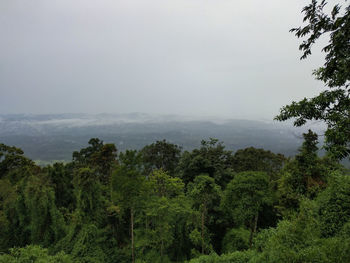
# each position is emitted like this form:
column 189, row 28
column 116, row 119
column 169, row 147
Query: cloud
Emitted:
column 208, row 57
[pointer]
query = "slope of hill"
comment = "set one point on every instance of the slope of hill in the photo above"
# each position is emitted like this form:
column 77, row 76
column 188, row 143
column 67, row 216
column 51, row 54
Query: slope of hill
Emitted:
column 56, row 136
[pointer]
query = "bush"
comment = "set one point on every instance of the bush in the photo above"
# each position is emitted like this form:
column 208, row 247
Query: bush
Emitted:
column 34, row 254
column 235, row 239
column 235, row 257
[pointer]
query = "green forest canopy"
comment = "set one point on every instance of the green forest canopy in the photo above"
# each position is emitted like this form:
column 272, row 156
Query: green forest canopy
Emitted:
column 160, row 204
column 207, row 205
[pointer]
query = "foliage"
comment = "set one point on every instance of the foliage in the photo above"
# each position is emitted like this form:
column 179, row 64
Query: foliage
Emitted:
column 39, row 201
column 245, row 194
column 128, row 190
column 100, row 156
column 244, row 197
column 211, row 159
column 9, row 221
column 142, row 215
column 334, row 205
column 331, row 106
column 34, row 254
column 235, row 239
column 299, row 240
column 162, row 205
column 205, row 195
column 166, row 205
column 61, row 176
column 11, row 158
column 252, row 159
column 235, row 257
column 88, row 194
column 305, row 175
column 161, row 155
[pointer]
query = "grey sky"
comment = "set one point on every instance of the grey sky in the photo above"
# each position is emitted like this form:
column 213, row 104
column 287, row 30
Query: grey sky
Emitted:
column 231, row 58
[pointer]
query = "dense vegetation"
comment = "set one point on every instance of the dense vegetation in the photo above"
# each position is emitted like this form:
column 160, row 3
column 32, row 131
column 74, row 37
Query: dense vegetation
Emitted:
column 161, row 204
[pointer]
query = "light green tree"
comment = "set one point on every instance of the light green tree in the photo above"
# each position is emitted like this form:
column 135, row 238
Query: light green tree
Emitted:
column 128, row 188
column 46, row 223
column 205, row 194
column 34, row 254
column 165, row 206
column 334, row 204
column 244, row 197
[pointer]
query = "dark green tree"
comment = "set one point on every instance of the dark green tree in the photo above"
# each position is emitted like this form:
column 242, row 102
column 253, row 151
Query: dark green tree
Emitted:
column 12, row 163
column 206, row 194
column 128, row 188
column 161, row 155
column 165, row 207
column 86, row 154
column 11, row 231
column 333, row 105
column 211, row 159
column 236, row 239
column 88, row 195
column 99, row 156
column 253, row 159
column 244, row 198
column 84, row 237
column 45, row 222
column 304, row 176
column 334, row 205
column 301, row 176
column 34, row 254
column 307, row 162
column 61, row 176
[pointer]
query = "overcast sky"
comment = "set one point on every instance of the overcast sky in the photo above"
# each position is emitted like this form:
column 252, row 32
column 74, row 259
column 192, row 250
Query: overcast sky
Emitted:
column 228, row 58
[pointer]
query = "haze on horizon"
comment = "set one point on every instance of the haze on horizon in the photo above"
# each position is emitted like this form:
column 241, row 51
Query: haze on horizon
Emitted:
column 234, row 59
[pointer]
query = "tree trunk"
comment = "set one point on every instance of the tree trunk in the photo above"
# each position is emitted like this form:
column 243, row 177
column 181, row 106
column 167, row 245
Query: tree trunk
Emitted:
column 256, row 222
column 253, row 226
column 202, row 234
column 161, row 243
column 132, row 235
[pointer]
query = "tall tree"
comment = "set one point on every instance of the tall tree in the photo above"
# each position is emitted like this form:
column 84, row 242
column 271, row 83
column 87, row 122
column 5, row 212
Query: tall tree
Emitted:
column 253, row 159
column 334, row 205
column 84, row 232
column 165, row 207
column 205, row 194
column 11, row 231
column 128, row 188
column 88, row 195
column 211, row 159
column 333, row 105
column 46, row 224
column 61, row 176
column 304, row 176
column 12, row 162
column 161, row 155
column 99, row 156
column 244, row 198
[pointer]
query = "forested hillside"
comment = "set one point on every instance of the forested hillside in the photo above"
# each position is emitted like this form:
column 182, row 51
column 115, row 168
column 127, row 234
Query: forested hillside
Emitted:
column 162, row 204
column 45, row 138
column 201, row 203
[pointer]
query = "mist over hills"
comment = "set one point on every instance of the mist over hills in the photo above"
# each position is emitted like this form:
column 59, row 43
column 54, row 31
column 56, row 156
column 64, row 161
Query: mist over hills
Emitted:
column 55, row 136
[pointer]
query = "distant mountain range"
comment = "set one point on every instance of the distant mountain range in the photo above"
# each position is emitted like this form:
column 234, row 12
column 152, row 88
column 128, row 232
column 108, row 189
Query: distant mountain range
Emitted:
column 55, row 136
